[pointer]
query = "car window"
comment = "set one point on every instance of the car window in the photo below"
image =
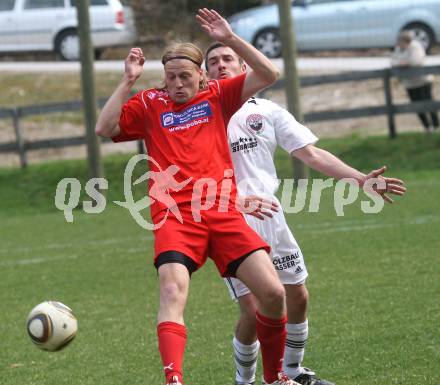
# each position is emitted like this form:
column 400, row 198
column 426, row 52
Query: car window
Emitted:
column 33, row 4
column 6, row 5
column 92, row 2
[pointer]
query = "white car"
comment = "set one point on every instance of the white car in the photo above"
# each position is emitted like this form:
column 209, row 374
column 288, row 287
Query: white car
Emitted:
column 51, row 25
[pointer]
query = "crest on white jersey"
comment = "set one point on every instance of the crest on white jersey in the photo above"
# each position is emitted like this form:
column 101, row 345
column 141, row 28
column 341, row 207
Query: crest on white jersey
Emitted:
column 255, row 123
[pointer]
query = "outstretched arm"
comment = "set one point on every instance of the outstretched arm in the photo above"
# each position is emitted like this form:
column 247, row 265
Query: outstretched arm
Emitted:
column 107, row 124
column 328, row 164
column 263, row 72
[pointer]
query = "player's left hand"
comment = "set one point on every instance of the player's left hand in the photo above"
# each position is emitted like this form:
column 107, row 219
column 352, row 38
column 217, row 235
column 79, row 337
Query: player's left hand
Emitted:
column 214, row 25
column 134, row 63
column 257, row 206
column 385, row 186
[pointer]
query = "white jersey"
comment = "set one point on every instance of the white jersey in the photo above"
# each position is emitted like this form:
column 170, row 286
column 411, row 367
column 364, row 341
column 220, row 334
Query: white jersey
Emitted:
column 254, row 132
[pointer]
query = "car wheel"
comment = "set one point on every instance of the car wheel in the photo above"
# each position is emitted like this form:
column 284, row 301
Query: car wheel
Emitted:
column 67, row 45
column 422, row 33
column 268, row 41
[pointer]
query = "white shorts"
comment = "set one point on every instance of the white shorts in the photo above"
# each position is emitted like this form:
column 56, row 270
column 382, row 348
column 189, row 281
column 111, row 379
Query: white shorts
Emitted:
column 287, row 257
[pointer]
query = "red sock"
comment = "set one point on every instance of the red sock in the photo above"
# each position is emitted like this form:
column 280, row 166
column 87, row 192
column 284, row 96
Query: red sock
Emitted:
column 172, row 340
column 272, row 336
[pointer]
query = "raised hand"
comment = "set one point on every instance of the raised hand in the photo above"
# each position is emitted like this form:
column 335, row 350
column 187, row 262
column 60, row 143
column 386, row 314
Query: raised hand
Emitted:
column 134, row 63
column 214, row 25
column 384, row 185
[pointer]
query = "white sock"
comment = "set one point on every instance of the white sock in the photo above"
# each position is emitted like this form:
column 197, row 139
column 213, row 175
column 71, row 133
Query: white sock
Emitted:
column 295, row 342
column 245, row 358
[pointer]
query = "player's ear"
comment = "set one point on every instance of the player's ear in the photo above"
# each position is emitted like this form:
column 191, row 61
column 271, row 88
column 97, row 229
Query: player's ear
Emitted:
column 203, row 79
column 243, row 67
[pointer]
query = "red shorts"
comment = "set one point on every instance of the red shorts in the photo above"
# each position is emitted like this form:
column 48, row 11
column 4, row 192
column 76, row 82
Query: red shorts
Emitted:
column 223, row 236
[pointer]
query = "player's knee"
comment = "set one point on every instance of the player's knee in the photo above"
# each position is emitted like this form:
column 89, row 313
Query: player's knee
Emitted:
column 172, row 292
column 297, row 298
column 274, row 297
column 248, row 308
column 247, row 304
column 302, row 297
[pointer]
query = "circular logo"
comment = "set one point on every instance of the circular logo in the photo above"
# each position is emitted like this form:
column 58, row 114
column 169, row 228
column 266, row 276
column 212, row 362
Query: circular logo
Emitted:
column 254, row 122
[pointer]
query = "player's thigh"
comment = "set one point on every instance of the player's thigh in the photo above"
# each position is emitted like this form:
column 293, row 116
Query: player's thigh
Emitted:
column 258, row 274
column 286, row 254
column 189, row 238
column 231, row 240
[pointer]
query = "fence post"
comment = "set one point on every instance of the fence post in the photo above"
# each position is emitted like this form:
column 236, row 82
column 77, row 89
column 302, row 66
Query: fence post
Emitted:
column 389, row 103
column 19, row 138
column 292, row 81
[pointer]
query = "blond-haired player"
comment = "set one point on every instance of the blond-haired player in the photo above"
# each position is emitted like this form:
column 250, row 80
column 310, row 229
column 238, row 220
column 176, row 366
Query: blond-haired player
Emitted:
column 184, row 127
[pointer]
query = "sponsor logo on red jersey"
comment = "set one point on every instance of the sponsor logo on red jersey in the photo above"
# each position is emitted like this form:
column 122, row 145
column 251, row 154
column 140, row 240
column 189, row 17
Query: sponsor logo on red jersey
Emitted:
column 189, row 117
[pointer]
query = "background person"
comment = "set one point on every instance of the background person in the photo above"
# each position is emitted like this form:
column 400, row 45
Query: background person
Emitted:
column 184, row 125
column 254, row 133
column 409, row 52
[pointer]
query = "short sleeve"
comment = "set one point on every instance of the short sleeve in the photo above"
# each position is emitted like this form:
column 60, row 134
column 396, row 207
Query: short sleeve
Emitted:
column 133, row 120
column 290, row 134
column 230, row 91
column 416, row 54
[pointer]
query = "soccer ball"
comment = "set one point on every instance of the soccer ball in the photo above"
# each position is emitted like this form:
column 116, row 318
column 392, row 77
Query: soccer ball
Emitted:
column 51, row 325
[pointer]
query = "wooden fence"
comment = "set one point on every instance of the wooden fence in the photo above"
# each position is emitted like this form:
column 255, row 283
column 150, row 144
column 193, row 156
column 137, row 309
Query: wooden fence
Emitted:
column 389, row 108
column 21, row 145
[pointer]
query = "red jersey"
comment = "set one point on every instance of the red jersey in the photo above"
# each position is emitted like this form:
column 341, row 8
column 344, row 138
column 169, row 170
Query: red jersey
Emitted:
column 191, row 136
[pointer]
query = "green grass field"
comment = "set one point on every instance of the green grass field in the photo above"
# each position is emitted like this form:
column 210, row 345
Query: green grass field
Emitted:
column 374, row 281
